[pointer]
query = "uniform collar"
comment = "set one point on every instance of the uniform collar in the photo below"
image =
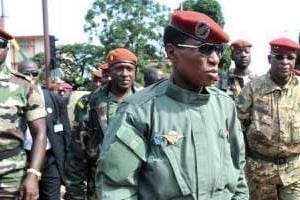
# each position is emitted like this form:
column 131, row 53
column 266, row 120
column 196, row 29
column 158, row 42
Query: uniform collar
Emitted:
column 186, row 96
column 271, row 86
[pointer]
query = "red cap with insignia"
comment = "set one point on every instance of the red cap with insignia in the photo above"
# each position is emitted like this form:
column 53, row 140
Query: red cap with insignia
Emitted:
column 120, row 55
column 65, row 87
column 5, row 35
column 240, row 44
column 283, row 45
column 198, row 26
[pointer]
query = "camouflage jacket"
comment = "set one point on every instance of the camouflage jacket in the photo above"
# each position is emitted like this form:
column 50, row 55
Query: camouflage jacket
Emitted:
column 270, row 116
column 92, row 113
column 19, row 102
column 233, row 84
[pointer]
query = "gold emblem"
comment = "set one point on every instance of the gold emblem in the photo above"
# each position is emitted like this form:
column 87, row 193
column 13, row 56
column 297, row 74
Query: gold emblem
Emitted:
column 202, row 30
column 173, row 137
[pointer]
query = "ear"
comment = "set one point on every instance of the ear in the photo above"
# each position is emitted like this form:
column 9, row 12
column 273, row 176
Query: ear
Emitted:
column 171, row 52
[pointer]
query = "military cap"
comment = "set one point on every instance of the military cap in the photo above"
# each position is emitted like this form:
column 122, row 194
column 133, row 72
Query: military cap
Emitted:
column 65, row 87
column 97, row 73
column 282, row 45
column 198, row 26
column 120, row 55
column 103, row 66
column 240, row 44
column 5, row 36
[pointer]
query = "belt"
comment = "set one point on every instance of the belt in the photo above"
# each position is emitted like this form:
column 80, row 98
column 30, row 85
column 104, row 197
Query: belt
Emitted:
column 275, row 160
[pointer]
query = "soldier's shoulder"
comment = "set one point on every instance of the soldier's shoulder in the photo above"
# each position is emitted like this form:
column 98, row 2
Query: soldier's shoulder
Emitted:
column 147, row 94
column 213, row 90
column 258, row 80
column 20, row 79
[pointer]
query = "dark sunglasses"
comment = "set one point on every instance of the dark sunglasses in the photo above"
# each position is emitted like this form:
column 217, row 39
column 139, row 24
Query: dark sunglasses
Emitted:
column 205, row 48
column 31, row 73
column 3, row 45
column 281, row 57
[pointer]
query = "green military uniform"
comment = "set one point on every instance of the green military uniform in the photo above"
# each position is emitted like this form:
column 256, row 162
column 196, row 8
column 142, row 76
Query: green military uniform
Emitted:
column 19, row 101
column 233, row 84
column 171, row 143
column 270, row 116
column 92, row 113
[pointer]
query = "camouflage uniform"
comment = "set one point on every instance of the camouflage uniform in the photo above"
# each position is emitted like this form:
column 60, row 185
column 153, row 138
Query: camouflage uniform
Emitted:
column 19, row 101
column 92, row 113
column 232, row 84
column 270, row 116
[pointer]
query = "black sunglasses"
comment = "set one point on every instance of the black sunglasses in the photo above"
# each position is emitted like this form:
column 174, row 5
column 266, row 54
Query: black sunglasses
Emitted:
column 31, row 73
column 281, row 57
column 3, row 45
column 205, row 48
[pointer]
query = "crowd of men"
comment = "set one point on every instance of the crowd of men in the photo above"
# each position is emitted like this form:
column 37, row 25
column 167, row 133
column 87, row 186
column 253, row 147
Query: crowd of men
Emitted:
column 194, row 135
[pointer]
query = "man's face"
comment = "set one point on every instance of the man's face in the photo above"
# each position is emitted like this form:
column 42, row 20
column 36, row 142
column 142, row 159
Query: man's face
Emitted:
column 193, row 69
column 282, row 64
column 32, row 70
column 241, row 57
column 122, row 75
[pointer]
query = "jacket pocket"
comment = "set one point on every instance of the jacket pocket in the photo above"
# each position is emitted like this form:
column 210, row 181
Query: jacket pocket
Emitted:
column 164, row 173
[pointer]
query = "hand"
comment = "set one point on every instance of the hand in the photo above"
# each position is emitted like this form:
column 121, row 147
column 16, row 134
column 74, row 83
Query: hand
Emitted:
column 29, row 189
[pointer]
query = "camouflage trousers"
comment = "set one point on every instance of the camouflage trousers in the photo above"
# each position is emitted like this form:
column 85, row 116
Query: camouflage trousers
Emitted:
column 11, row 175
column 268, row 181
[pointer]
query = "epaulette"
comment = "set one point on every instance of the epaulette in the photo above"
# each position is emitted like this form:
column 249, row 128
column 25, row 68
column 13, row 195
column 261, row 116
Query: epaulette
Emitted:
column 20, row 75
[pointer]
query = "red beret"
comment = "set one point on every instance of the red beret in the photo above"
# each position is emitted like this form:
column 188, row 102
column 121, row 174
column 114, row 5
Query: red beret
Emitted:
column 240, row 44
column 120, row 55
column 98, row 73
column 5, row 35
column 65, row 86
column 103, row 66
column 198, row 26
column 283, row 45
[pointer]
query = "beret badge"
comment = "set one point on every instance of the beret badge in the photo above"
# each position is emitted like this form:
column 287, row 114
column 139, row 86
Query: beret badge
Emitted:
column 202, row 30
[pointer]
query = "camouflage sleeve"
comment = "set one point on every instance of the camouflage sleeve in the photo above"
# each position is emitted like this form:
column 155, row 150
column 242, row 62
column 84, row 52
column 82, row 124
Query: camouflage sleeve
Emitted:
column 244, row 102
column 36, row 107
column 76, row 165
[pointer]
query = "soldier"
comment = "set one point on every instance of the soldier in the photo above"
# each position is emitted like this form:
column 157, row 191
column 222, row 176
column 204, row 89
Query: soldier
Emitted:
column 20, row 103
column 91, row 123
column 153, row 75
column 269, row 111
column 240, row 75
column 180, row 138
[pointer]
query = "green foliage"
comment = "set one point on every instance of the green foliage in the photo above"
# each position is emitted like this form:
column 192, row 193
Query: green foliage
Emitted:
column 213, row 9
column 133, row 24
column 76, row 62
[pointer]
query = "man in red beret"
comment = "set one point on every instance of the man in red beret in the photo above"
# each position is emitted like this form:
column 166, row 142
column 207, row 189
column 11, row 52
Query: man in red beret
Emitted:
column 92, row 115
column 20, row 104
column 179, row 138
column 237, row 77
column 269, row 111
